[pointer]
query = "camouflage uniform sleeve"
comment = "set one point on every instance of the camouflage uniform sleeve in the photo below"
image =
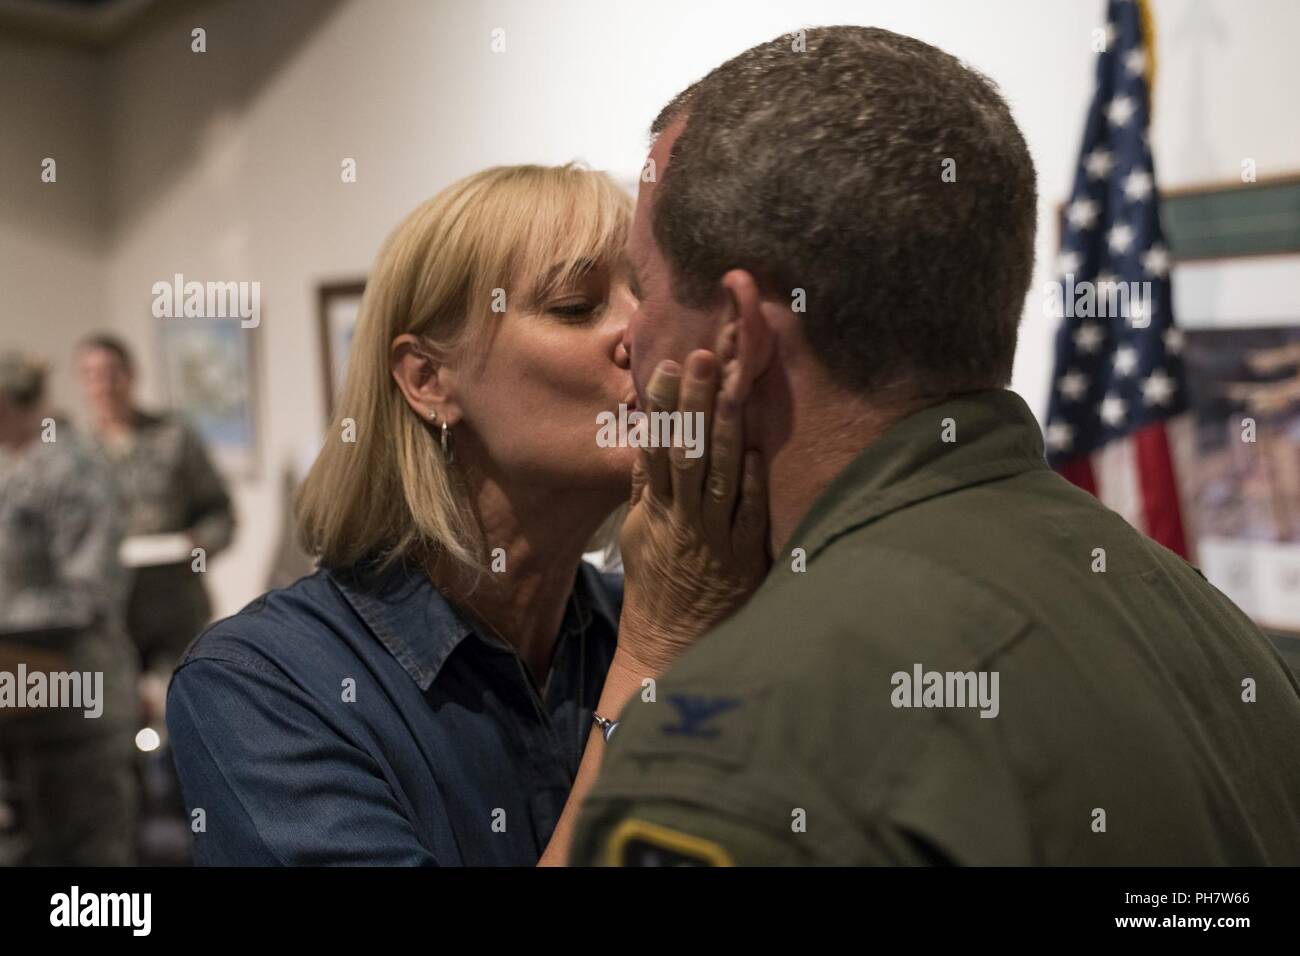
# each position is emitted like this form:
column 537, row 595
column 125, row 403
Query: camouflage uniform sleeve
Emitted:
column 211, row 517
column 86, row 584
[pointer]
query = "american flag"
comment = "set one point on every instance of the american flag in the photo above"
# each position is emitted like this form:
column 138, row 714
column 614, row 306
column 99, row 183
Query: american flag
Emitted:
column 1118, row 376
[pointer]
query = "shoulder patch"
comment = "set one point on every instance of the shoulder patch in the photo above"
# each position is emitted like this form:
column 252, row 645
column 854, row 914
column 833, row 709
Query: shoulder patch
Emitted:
column 641, row 843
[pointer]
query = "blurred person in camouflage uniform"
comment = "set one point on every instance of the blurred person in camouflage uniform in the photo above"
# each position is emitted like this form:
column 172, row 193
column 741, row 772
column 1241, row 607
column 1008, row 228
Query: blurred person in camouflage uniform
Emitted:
column 62, row 595
column 170, row 486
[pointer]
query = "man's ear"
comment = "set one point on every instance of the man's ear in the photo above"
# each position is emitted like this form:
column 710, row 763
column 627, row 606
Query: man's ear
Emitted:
column 746, row 343
column 427, row 384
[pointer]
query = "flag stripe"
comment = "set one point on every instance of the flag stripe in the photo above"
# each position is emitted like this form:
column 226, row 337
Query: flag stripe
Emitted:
column 1119, row 486
column 1155, row 467
column 1079, row 472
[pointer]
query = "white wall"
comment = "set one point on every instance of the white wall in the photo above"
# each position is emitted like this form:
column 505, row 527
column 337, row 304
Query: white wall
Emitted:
column 53, row 235
column 226, row 164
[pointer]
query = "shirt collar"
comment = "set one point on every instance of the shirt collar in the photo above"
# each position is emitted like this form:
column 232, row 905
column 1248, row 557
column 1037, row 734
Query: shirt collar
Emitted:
column 994, row 435
column 420, row 628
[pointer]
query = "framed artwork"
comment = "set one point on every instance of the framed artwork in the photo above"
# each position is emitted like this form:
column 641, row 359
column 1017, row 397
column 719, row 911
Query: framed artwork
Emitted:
column 208, row 369
column 339, row 305
column 1236, row 285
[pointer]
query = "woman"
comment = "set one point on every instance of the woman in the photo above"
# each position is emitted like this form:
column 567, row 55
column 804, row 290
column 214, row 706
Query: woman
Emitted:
column 428, row 697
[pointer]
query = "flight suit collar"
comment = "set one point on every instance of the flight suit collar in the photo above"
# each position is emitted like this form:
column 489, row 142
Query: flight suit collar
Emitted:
column 993, row 434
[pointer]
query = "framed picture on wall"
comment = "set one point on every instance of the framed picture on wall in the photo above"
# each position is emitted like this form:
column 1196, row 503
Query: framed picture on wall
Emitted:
column 1236, row 283
column 208, row 370
column 339, row 305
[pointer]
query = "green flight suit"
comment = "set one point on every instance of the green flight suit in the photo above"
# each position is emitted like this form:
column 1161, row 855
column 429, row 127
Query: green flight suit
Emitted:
column 981, row 664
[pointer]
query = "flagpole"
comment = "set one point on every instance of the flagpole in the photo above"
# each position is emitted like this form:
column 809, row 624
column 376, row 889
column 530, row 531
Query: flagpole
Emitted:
column 1149, row 41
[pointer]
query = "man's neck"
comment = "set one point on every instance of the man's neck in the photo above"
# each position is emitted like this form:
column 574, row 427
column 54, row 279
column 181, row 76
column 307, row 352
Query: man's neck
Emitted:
column 800, row 472
column 17, row 446
column 827, row 432
column 114, row 419
column 23, row 436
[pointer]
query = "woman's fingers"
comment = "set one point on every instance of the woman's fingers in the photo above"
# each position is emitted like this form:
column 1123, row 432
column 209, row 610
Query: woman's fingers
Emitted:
column 723, row 483
column 661, row 394
column 638, row 479
column 689, row 460
column 749, row 530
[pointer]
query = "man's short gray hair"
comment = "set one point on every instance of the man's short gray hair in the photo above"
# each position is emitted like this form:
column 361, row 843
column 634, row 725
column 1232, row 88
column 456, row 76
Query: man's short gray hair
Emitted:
column 878, row 174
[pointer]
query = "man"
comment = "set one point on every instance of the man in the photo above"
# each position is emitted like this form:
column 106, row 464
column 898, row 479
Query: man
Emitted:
column 171, row 490
column 957, row 657
column 61, row 599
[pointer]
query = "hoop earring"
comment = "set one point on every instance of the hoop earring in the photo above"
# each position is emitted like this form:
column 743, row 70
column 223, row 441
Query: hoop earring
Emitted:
column 444, row 439
column 447, row 451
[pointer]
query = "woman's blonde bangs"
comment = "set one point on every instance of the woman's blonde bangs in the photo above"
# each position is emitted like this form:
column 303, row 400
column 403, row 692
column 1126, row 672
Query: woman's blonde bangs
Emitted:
column 580, row 223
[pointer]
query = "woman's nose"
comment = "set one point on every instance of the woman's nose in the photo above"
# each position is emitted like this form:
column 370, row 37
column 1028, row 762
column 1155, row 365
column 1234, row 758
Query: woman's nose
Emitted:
column 623, row 352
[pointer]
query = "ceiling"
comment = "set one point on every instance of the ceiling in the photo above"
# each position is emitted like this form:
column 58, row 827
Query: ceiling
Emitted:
column 95, row 23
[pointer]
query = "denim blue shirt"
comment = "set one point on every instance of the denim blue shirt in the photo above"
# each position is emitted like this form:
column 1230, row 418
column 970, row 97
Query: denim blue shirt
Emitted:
column 354, row 717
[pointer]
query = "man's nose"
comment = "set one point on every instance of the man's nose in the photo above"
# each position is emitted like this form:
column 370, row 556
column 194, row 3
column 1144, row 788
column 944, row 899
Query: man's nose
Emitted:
column 623, row 347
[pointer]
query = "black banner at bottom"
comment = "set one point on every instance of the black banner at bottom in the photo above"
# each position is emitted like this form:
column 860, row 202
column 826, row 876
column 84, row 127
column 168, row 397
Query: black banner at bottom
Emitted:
column 206, row 906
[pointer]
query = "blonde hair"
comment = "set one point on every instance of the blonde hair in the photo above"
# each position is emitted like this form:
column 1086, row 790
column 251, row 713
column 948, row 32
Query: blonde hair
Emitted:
column 525, row 229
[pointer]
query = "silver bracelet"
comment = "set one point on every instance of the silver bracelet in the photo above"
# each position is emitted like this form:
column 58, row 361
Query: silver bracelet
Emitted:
column 607, row 726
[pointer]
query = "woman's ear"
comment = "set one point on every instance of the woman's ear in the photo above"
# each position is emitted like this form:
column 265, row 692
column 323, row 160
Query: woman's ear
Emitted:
column 746, row 342
column 427, row 385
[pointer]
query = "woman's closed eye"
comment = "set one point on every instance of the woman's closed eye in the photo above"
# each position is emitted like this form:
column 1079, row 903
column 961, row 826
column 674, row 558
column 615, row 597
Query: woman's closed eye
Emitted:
column 575, row 311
